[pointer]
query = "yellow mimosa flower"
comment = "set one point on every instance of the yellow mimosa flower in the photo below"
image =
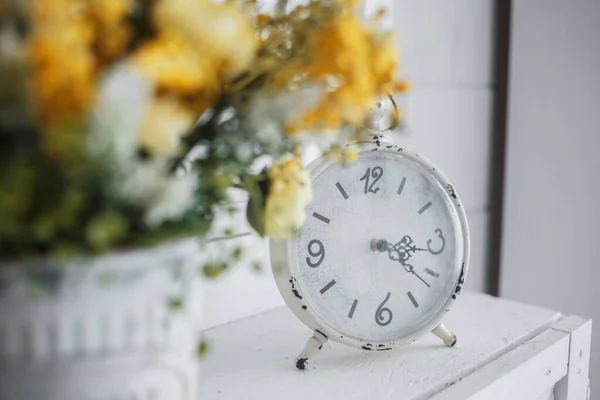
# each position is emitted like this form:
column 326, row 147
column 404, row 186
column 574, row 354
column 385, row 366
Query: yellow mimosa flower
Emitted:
column 290, row 191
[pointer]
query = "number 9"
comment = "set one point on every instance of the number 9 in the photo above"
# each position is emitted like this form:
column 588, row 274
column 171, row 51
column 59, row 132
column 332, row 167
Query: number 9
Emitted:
column 319, row 253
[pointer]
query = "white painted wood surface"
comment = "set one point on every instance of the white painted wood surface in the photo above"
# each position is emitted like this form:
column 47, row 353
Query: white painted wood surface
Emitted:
column 497, row 340
column 575, row 385
column 530, row 369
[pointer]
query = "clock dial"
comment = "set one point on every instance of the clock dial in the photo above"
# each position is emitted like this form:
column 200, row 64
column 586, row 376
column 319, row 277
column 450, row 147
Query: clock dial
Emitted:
column 381, row 249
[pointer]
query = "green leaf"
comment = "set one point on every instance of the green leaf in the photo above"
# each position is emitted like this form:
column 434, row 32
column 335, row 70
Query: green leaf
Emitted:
column 213, row 270
column 175, row 303
column 106, row 278
column 257, row 188
column 236, row 254
column 203, row 347
column 105, row 230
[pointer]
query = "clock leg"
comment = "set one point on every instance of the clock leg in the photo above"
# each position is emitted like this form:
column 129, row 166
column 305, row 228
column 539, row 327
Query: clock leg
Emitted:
column 443, row 333
column 313, row 346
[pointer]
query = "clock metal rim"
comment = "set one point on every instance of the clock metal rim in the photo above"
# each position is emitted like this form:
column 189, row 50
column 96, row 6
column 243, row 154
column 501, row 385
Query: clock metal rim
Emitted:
column 281, row 253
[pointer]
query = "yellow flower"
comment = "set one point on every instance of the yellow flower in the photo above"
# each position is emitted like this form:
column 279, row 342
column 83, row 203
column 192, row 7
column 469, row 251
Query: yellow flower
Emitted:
column 166, row 121
column 341, row 155
column 290, row 192
column 350, row 156
column 351, row 64
column 199, row 45
column 175, row 65
column 113, row 31
column 63, row 65
column 221, row 31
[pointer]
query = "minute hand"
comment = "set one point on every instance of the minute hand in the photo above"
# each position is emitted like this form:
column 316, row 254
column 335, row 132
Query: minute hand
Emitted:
column 410, row 268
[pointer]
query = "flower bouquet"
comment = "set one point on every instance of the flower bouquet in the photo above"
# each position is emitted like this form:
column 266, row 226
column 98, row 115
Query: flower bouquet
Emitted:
column 124, row 124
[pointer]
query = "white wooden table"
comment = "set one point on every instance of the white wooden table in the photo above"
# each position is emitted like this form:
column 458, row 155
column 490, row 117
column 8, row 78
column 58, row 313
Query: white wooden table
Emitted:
column 505, row 350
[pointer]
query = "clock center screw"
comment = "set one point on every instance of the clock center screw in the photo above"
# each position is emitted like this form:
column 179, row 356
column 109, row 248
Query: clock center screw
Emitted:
column 379, row 245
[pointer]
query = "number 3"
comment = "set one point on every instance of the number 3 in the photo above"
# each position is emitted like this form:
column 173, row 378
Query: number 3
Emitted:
column 439, row 233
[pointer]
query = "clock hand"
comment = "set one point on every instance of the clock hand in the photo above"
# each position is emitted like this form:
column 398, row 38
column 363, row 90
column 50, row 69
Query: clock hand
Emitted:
column 412, row 271
column 379, row 245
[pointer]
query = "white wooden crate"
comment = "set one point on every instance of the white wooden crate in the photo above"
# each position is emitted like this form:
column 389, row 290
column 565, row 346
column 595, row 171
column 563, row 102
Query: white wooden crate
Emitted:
column 506, row 350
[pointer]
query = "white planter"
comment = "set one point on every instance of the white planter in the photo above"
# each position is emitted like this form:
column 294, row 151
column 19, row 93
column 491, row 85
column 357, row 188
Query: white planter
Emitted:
column 101, row 328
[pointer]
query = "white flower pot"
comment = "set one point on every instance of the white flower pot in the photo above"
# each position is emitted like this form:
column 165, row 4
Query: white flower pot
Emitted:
column 101, row 328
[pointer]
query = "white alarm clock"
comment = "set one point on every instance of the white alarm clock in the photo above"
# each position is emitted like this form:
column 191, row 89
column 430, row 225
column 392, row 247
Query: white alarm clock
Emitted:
column 382, row 255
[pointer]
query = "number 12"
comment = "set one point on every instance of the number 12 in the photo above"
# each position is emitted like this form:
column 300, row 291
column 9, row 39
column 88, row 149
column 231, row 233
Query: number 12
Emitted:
column 376, row 174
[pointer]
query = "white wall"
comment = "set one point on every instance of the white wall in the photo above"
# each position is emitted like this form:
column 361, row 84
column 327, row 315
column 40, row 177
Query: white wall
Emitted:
column 447, row 53
column 551, row 232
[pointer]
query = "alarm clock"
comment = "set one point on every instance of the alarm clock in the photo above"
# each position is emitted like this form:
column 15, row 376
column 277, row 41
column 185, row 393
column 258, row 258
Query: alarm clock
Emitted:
column 382, row 255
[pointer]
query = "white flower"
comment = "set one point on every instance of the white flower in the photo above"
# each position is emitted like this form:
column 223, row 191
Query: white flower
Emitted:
column 267, row 114
column 150, row 186
column 124, row 96
column 124, row 99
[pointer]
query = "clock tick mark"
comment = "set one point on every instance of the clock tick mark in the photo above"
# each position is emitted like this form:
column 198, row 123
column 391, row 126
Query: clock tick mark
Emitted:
column 432, row 273
column 328, row 286
column 401, row 188
column 412, row 299
column 342, row 191
column 425, row 207
column 351, row 313
column 321, row 217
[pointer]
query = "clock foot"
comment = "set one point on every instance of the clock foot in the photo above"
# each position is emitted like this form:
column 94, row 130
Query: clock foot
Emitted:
column 443, row 333
column 313, row 346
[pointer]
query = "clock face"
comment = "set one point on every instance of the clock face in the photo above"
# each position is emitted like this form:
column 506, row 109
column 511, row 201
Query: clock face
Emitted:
column 382, row 247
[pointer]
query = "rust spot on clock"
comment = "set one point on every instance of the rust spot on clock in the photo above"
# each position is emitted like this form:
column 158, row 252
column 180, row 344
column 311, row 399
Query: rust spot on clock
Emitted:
column 301, row 363
column 294, row 290
column 451, row 191
column 461, row 281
